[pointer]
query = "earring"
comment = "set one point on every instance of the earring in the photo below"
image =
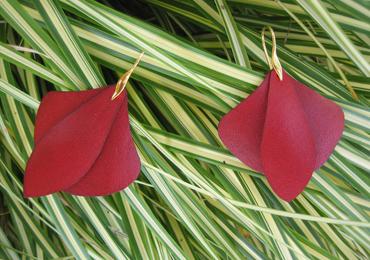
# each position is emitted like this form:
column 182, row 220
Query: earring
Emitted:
column 283, row 129
column 83, row 144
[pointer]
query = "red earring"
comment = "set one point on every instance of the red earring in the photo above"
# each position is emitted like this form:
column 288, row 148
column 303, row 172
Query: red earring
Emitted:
column 83, row 143
column 283, row 129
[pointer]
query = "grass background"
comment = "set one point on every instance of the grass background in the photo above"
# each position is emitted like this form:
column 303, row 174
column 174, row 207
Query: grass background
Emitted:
column 193, row 200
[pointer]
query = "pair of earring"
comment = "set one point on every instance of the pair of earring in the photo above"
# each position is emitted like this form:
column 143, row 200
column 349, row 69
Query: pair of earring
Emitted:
column 83, row 143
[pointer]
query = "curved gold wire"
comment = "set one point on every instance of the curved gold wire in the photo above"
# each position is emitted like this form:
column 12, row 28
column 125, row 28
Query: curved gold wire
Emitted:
column 274, row 62
column 121, row 83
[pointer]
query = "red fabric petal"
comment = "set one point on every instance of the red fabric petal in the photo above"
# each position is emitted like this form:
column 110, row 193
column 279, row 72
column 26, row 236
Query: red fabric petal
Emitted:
column 287, row 150
column 63, row 104
column 284, row 130
column 112, row 171
column 74, row 132
column 241, row 129
column 326, row 120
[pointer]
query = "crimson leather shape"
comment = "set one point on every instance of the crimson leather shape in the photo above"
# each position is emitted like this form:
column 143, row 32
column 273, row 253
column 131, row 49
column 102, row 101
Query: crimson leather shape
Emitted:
column 285, row 130
column 83, row 145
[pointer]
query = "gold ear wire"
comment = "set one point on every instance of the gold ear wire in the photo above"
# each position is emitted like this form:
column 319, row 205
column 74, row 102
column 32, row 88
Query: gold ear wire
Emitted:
column 274, row 62
column 121, row 83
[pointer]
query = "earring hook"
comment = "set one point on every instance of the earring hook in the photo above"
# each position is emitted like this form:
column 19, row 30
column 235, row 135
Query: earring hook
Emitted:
column 274, row 62
column 121, row 83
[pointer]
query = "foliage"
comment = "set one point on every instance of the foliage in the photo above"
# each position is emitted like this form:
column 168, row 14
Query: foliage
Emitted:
column 193, row 200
